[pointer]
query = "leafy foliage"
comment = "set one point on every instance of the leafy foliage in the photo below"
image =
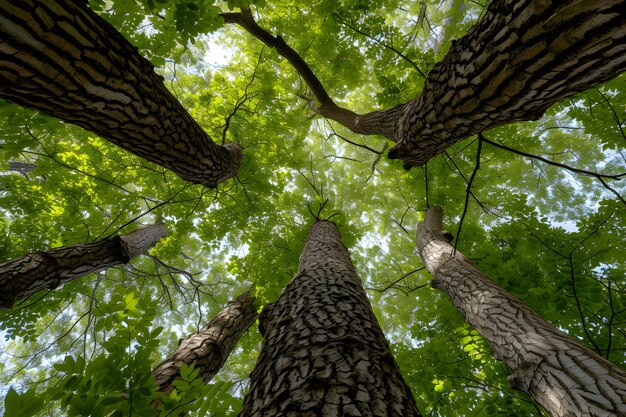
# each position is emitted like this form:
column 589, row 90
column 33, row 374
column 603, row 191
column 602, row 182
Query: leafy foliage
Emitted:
column 551, row 236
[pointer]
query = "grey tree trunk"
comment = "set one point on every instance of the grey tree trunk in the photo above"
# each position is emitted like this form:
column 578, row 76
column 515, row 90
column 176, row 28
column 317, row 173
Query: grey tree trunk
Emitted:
column 24, row 168
column 210, row 347
column 59, row 57
column 324, row 353
column 22, row 277
column 521, row 58
column 565, row 377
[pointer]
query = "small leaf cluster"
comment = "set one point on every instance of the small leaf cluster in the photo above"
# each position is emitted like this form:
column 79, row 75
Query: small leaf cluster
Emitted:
column 191, row 393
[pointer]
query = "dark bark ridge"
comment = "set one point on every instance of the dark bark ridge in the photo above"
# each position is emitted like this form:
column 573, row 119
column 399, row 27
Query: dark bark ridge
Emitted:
column 565, row 377
column 324, row 353
column 22, row 277
column 59, row 57
column 209, row 349
column 520, row 59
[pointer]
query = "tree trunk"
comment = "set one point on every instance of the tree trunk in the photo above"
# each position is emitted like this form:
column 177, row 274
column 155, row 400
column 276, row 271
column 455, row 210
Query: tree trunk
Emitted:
column 59, row 57
column 562, row 375
column 37, row 271
column 24, row 168
column 323, row 352
column 524, row 56
column 210, row 347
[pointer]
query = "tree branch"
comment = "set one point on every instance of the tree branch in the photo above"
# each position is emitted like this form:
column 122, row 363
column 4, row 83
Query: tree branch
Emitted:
column 383, row 122
column 469, row 188
column 557, row 164
column 598, row 176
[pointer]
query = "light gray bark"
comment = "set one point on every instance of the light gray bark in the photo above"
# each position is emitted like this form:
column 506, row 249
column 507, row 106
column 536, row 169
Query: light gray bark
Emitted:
column 209, row 349
column 24, row 168
column 323, row 352
column 22, row 277
column 565, row 377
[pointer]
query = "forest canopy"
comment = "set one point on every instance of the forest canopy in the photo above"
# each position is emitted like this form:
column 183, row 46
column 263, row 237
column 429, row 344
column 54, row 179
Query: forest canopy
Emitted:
column 537, row 204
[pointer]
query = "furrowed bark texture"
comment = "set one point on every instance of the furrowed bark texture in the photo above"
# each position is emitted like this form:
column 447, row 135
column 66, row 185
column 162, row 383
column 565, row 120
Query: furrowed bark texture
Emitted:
column 323, row 352
column 59, row 57
column 565, row 377
column 210, row 347
column 37, row 271
column 524, row 56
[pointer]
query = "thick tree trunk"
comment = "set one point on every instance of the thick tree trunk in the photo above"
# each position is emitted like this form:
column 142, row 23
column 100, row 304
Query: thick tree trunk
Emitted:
column 37, row 271
column 323, row 352
column 59, row 57
column 562, row 375
column 524, row 56
column 210, row 347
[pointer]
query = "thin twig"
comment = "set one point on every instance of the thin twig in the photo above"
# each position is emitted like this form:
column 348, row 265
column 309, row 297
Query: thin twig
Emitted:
column 469, row 189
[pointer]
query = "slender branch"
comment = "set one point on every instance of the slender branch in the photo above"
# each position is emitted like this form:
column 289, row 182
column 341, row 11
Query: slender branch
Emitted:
column 615, row 115
column 598, row 176
column 557, row 164
column 242, row 100
column 402, row 227
column 405, row 275
column 610, row 323
column 383, row 44
column 354, row 143
column 311, row 183
column 383, row 122
column 449, row 158
column 579, row 306
column 611, row 189
column 169, row 200
column 469, row 188
column 345, row 158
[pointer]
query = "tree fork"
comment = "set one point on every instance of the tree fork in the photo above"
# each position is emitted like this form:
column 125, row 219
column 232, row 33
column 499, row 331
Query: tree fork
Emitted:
column 524, row 56
column 324, row 353
column 22, row 277
column 209, row 349
column 565, row 377
column 59, row 57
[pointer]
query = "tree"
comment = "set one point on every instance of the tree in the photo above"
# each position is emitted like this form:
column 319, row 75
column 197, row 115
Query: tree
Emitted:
column 539, row 206
column 208, row 349
column 520, row 59
column 323, row 351
column 564, row 376
column 61, row 58
column 36, row 271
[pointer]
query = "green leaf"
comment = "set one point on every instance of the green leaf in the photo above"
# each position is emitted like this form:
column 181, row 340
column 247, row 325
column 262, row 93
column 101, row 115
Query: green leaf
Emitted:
column 22, row 405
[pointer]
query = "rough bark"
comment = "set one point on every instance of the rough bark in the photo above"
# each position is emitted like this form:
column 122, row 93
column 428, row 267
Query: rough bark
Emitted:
column 59, row 57
column 210, row 347
column 324, row 353
column 565, row 377
column 22, row 277
column 521, row 58
column 524, row 56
